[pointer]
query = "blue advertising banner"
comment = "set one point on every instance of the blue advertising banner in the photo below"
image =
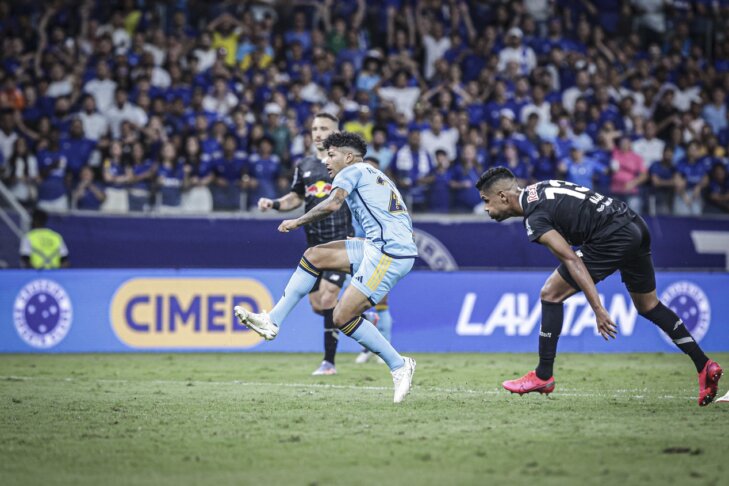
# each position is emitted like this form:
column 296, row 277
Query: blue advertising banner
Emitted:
column 191, row 310
column 448, row 243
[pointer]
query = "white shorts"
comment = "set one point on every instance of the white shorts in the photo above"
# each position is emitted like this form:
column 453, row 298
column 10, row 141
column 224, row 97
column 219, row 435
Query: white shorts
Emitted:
column 374, row 273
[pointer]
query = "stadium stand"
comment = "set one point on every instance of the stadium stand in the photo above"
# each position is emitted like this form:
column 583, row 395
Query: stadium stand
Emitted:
column 195, row 106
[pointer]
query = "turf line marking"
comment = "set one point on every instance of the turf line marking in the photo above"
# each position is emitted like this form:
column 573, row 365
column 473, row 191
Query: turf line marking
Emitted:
column 566, row 392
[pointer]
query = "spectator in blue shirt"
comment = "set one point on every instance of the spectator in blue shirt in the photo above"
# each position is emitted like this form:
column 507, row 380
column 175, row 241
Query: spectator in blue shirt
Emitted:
column 88, row 194
column 172, row 178
column 579, row 169
column 463, row 181
column 77, row 149
column 546, row 165
column 693, row 179
column 717, row 191
column 715, row 113
column 264, row 173
column 52, row 189
column 664, row 179
column 229, row 168
column 142, row 172
column 439, row 197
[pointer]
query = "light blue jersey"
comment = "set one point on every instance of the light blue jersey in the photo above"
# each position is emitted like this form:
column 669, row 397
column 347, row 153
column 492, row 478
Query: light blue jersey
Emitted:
column 377, row 206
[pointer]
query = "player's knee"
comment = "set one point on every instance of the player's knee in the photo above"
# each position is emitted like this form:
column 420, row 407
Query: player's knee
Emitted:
column 551, row 294
column 328, row 300
column 341, row 317
column 313, row 256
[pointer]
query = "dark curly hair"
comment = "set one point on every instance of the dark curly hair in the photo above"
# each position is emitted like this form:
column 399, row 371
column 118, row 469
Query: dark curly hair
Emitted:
column 346, row 139
column 492, row 176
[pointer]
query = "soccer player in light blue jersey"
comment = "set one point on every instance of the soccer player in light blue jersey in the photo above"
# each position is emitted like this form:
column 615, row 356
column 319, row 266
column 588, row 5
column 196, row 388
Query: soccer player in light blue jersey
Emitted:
column 378, row 262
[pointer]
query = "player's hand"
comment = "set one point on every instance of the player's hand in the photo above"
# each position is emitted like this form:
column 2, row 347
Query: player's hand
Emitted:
column 288, row 225
column 605, row 325
column 265, row 204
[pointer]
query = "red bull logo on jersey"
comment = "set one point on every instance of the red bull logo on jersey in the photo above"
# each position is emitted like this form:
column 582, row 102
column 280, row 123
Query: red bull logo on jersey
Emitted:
column 188, row 313
column 319, row 189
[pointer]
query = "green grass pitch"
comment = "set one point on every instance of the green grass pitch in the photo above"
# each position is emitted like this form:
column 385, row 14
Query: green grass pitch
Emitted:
column 262, row 419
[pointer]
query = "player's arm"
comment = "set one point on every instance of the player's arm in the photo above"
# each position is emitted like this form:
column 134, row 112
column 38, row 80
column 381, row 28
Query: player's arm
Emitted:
column 562, row 250
column 288, row 202
column 318, row 212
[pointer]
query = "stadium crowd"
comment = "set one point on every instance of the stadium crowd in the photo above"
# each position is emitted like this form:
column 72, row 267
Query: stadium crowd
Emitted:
column 200, row 106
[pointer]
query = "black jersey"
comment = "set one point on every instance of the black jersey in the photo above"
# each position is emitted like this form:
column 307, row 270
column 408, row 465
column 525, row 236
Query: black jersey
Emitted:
column 311, row 182
column 579, row 214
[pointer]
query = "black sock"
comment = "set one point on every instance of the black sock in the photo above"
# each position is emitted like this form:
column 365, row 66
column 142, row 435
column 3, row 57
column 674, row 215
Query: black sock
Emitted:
column 552, row 317
column 331, row 336
column 672, row 325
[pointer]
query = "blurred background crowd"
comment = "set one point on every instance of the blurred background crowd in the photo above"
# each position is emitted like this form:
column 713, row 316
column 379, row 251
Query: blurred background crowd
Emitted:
column 197, row 106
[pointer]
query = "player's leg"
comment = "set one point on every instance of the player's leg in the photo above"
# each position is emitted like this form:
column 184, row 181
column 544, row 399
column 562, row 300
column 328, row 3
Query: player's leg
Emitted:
column 348, row 317
column 385, row 323
column 601, row 261
column 329, row 256
column 323, row 302
column 375, row 276
column 382, row 319
column 639, row 277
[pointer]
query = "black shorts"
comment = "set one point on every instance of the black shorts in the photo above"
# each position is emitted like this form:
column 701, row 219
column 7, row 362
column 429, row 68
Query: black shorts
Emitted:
column 628, row 249
column 337, row 278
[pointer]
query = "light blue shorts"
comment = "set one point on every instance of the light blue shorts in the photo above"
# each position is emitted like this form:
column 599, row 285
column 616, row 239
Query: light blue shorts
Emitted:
column 374, row 273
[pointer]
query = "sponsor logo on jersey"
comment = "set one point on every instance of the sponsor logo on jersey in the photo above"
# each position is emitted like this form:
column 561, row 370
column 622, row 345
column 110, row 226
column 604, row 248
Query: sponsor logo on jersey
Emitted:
column 186, row 313
column 532, row 193
column 691, row 305
column 319, row 189
column 42, row 313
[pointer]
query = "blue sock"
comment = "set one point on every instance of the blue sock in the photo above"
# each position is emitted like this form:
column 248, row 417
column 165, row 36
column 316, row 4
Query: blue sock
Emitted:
column 300, row 284
column 366, row 334
column 385, row 322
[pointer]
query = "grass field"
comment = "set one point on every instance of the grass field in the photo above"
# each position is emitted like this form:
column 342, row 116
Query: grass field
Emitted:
column 262, row 419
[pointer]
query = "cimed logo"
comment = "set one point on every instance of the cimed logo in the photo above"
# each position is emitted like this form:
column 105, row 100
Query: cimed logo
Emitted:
column 42, row 313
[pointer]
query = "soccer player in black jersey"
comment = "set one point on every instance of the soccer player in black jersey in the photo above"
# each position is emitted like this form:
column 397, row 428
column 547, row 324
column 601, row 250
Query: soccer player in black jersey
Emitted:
column 610, row 237
column 311, row 185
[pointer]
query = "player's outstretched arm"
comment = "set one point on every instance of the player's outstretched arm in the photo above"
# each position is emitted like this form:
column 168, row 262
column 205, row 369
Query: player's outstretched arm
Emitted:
column 562, row 250
column 289, row 202
column 318, row 212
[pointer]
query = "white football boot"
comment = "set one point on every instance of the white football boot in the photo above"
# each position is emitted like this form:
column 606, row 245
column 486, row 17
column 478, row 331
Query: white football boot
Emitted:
column 364, row 356
column 259, row 323
column 402, row 379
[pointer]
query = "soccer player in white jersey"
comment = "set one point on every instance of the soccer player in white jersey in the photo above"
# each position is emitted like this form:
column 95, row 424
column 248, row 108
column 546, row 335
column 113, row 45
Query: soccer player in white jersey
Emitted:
column 378, row 262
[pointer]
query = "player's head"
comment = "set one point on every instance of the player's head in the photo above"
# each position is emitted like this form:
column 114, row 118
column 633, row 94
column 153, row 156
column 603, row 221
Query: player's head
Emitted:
column 343, row 149
column 40, row 218
column 499, row 192
column 323, row 125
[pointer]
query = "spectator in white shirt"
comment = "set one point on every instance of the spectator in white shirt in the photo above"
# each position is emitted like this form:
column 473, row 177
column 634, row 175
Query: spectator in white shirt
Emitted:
column 581, row 89
column 61, row 84
column 516, row 52
column 434, row 40
column 649, row 147
column 220, row 100
column 94, row 124
column 437, row 137
column 402, row 96
column 102, row 87
column 122, row 110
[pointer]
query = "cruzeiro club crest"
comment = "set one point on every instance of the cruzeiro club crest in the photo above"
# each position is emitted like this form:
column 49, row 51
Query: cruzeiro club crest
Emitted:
column 690, row 303
column 42, row 313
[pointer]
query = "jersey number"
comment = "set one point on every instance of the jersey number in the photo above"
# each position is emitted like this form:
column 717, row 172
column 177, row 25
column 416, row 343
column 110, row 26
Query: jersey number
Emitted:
column 576, row 191
column 395, row 204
